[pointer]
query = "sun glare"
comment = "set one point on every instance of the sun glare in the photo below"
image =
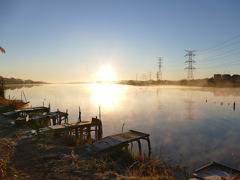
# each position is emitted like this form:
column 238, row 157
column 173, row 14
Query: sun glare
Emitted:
column 106, row 74
column 107, row 95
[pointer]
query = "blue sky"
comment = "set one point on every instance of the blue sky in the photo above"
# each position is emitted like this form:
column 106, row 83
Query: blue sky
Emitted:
column 60, row 41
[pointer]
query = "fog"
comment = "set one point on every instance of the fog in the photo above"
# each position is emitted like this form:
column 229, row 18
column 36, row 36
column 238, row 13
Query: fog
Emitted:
column 195, row 125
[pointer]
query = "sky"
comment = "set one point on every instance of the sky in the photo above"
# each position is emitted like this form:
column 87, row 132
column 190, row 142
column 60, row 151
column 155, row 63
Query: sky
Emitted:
column 75, row 40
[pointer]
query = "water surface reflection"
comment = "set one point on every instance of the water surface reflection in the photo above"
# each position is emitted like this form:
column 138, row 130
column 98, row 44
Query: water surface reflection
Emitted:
column 194, row 125
column 107, row 95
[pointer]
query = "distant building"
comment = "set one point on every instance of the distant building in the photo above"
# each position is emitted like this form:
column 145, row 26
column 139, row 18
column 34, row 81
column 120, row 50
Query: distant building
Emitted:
column 226, row 77
column 217, row 76
column 236, row 76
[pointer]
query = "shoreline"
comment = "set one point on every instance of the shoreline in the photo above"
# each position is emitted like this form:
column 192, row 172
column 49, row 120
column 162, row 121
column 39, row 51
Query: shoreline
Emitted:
column 46, row 156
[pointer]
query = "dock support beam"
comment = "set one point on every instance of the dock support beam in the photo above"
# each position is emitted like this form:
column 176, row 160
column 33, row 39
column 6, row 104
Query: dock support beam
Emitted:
column 139, row 147
column 149, row 147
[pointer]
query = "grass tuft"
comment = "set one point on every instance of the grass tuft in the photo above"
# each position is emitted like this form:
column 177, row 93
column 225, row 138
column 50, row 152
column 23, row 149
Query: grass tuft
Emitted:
column 6, row 150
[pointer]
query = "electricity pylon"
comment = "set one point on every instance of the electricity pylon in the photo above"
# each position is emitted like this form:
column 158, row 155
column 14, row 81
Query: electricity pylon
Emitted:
column 190, row 62
column 159, row 72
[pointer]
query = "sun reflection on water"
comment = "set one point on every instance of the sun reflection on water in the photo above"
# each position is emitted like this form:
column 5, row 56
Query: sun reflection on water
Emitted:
column 107, row 95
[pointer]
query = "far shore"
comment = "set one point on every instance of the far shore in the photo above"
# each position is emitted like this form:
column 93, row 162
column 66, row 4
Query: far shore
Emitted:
column 207, row 82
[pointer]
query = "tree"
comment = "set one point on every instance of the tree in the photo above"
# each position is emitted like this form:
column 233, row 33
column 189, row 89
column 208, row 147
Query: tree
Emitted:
column 2, row 81
column 2, row 50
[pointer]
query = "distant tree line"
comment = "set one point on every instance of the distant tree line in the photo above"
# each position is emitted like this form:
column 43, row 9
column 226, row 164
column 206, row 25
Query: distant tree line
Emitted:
column 20, row 81
column 207, row 82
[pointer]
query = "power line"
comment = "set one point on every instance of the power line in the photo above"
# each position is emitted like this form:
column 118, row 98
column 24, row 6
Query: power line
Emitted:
column 221, row 65
column 190, row 62
column 221, row 47
column 217, row 56
column 220, row 43
column 222, row 56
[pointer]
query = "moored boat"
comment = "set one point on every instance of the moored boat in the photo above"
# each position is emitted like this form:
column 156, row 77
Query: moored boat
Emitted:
column 216, row 171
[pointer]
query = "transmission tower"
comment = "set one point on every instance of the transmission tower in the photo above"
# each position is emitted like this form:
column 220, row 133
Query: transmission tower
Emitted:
column 159, row 72
column 190, row 62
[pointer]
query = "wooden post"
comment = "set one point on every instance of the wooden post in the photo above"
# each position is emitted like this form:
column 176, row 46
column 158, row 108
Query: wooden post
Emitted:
column 54, row 120
column 139, row 147
column 76, row 132
column 126, row 147
column 79, row 116
column 88, row 132
column 99, row 129
column 96, row 132
column 149, row 147
column 60, row 119
column 99, row 132
column 131, row 146
column 100, row 112
column 81, row 135
column 66, row 116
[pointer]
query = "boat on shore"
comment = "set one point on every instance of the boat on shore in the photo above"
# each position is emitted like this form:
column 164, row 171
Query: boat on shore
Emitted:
column 14, row 104
column 216, row 171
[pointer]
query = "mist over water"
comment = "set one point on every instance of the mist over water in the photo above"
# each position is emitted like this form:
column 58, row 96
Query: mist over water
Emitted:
column 189, row 124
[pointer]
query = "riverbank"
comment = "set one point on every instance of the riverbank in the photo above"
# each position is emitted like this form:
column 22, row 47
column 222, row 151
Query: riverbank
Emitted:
column 198, row 83
column 46, row 157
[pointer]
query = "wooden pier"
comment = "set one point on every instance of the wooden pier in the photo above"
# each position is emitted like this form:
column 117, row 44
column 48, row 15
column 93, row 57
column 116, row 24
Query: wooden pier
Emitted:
column 120, row 140
column 79, row 130
column 27, row 111
column 49, row 119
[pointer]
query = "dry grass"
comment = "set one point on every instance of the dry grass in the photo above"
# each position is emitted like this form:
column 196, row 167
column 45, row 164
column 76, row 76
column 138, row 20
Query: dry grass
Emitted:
column 6, row 150
column 73, row 141
column 3, row 101
column 153, row 167
column 48, row 157
column 13, row 104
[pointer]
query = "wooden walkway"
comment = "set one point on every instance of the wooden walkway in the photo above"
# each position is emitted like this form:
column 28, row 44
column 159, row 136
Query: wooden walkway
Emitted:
column 49, row 119
column 120, row 140
column 27, row 111
column 81, row 130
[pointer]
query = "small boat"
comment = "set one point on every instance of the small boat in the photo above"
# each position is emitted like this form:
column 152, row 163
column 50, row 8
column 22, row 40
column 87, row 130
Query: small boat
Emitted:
column 25, row 104
column 216, row 171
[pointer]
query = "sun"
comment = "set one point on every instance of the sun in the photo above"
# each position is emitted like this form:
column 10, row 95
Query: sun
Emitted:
column 106, row 74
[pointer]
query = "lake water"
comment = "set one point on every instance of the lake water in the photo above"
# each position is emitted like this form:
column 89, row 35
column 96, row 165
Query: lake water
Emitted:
column 192, row 125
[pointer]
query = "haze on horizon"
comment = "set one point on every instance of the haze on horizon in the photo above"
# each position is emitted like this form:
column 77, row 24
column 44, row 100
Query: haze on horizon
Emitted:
column 74, row 41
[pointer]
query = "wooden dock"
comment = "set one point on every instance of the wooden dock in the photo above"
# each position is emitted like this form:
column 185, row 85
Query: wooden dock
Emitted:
column 45, row 120
column 79, row 130
column 120, row 140
column 27, row 111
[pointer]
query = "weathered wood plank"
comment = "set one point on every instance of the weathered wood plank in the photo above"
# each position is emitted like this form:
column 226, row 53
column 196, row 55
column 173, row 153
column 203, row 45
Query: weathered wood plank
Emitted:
column 117, row 140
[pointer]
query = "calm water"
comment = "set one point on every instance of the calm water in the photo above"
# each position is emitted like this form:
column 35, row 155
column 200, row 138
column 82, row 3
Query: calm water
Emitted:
column 192, row 125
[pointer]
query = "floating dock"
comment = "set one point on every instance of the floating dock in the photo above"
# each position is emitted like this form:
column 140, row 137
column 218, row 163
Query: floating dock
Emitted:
column 120, row 140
